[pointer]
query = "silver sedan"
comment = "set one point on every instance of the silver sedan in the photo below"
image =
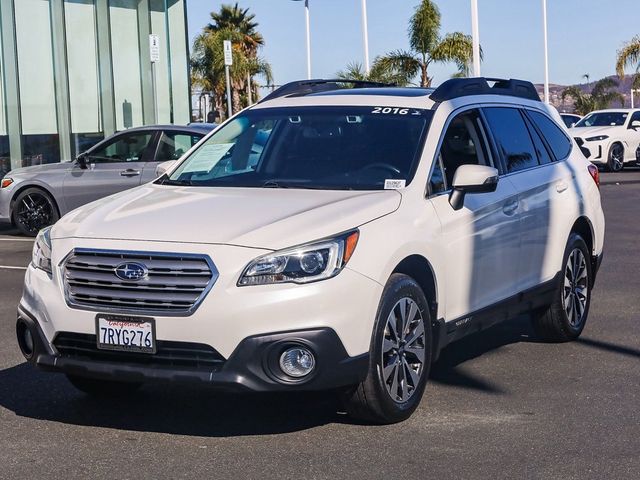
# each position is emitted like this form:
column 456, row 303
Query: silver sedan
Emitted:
column 33, row 197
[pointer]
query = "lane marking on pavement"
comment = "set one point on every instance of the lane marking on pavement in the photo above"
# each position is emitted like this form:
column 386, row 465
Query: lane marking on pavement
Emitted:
column 17, row 240
column 9, row 267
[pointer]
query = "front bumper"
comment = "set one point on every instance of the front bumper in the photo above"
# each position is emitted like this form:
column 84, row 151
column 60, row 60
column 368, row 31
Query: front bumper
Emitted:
column 598, row 151
column 251, row 367
column 239, row 324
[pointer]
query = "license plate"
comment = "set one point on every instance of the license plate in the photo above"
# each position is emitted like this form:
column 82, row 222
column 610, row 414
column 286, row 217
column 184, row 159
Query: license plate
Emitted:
column 125, row 333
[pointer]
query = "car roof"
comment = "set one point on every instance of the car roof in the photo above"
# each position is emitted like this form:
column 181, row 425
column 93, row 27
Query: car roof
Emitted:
column 616, row 110
column 458, row 91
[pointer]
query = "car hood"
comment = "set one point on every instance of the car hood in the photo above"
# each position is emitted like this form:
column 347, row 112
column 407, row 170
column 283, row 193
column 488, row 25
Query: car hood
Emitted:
column 266, row 218
column 39, row 169
column 592, row 131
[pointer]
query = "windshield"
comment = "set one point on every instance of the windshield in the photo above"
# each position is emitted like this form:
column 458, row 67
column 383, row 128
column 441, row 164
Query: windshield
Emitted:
column 603, row 119
column 335, row 148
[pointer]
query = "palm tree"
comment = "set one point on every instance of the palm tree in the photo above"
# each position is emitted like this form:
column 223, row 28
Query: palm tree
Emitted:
column 239, row 26
column 427, row 47
column 601, row 96
column 629, row 55
column 355, row 71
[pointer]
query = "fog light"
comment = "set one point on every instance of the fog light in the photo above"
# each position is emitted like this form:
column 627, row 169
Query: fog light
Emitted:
column 297, row 362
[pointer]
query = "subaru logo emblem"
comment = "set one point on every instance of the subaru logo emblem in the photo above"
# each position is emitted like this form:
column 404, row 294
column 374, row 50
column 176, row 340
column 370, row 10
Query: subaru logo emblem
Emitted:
column 131, row 271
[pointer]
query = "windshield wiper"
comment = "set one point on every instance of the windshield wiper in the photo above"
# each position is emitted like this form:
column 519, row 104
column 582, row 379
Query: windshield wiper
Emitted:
column 167, row 181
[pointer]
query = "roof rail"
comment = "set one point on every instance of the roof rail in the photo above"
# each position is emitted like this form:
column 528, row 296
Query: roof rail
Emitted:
column 301, row 88
column 460, row 87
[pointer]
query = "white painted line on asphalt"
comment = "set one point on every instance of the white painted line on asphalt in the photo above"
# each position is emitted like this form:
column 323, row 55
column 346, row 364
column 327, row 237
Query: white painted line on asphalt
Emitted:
column 9, row 267
column 17, row 240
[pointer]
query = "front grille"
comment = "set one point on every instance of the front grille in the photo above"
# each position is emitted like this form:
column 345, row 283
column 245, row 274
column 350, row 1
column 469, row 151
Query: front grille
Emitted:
column 169, row 354
column 174, row 285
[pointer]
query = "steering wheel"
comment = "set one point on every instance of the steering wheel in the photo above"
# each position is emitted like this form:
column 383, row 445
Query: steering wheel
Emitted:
column 382, row 166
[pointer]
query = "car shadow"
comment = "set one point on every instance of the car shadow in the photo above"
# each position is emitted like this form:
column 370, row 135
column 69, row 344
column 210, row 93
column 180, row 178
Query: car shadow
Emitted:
column 201, row 411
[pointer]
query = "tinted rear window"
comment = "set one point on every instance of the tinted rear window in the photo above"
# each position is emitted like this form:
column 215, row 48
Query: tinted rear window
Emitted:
column 512, row 138
column 557, row 140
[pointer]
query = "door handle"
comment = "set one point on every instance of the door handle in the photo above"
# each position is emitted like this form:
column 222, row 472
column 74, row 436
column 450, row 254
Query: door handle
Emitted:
column 129, row 172
column 510, row 208
column 561, row 186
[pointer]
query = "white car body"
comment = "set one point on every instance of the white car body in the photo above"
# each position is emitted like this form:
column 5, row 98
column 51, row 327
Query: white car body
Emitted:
column 598, row 140
column 495, row 249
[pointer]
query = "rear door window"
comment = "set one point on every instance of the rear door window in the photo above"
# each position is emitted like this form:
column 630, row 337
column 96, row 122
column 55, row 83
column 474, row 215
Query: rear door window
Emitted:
column 557, row 140
column 512, row 138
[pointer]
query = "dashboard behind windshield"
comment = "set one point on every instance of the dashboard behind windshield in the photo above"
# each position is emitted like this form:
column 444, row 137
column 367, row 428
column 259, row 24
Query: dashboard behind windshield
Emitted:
column 310, row 147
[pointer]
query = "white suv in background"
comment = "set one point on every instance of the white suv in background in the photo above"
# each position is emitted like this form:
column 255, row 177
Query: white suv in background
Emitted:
column 609, row 138
column 326, row 238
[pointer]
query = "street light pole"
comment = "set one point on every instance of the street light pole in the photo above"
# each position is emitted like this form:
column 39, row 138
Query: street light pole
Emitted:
column 306, row 14
column 546, row 52
column 475, row 34
column 365, row 34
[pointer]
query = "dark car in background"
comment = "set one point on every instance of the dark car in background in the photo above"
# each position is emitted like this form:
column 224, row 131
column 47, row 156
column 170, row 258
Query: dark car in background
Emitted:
column 34, row 197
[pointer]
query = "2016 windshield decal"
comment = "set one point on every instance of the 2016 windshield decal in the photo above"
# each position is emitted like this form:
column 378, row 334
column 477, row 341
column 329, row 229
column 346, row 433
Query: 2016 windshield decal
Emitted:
column 396, row 111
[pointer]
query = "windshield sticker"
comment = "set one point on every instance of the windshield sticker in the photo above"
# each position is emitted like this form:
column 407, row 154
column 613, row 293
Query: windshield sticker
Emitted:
column 396, row 111
column 390, row 184
column 207, row 157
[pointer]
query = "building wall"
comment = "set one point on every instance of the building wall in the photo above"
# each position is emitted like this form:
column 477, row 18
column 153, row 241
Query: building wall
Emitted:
column 75, row 71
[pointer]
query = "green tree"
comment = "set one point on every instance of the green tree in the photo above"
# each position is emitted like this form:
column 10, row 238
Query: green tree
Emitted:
column 207, row 62
column 602, row 96
column 427, row 47
column 629, row 56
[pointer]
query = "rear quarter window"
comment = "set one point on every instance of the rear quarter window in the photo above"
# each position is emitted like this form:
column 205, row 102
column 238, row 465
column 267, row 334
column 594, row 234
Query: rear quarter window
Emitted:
column 555, row 137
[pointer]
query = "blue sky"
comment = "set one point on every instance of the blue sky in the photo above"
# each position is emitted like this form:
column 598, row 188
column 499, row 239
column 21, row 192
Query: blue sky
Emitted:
column 584, row 35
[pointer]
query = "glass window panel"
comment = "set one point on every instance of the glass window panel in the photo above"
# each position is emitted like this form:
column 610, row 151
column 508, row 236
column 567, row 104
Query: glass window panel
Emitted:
column 558, row 141
column 512, row 138
column 129, row 147
column 173, row 145
column 35, row 68
column 159, row 27
column 5, row 159
column 82, row 59
column 179, row 67
column 125, row 52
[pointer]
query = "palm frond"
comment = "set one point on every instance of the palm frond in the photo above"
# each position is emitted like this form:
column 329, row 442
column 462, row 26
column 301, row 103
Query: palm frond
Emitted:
column 454, row 47
column 628, row 55
column 424, row 27
column 399, row 65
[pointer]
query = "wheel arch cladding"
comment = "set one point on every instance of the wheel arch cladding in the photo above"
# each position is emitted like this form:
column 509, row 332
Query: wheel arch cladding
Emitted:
column 419, row 268
column 583, row 227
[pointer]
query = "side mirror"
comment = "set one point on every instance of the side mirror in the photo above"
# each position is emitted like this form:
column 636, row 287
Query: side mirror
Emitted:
column 472, row 179
column 635, row 124
column 164, row 167
column 81, row 160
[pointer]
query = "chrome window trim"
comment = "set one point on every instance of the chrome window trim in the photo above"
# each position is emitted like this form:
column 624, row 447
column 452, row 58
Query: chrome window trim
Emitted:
column 136, row 311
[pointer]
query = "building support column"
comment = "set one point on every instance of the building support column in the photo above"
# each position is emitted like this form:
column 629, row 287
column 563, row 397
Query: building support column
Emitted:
column 11, row 90
column 61, row 76
column 144, row 29
column 105, row 68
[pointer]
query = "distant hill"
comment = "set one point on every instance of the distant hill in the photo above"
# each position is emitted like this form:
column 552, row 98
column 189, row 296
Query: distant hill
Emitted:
column 555, row 92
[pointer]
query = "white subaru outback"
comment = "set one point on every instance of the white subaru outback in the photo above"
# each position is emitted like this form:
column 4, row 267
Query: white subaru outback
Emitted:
column 326, row 238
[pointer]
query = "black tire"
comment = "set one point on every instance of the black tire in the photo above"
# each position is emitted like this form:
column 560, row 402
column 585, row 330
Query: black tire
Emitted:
column 559, row 322
column 32, row 210
column 103, row 388
column 372, row 399
column 615, row 158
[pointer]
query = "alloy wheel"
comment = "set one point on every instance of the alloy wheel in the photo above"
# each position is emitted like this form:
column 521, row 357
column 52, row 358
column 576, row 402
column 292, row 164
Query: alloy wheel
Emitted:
column 403, row 350
column 34, row 213
column 617, row 158
column 576, row 287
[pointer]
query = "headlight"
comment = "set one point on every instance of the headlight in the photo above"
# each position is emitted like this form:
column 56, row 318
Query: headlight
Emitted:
column 303, row 264
column 598, row 138
column 6, row 181
column 41, row 256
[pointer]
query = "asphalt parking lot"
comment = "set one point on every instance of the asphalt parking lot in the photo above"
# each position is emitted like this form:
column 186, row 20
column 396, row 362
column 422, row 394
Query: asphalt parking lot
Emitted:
column 500, row 404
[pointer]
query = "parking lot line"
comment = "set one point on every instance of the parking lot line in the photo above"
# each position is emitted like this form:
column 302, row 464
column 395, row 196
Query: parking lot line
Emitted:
column 17, row 240
column 9, row 267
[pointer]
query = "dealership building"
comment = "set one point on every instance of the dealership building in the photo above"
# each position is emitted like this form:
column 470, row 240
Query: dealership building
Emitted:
column 75, row 71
